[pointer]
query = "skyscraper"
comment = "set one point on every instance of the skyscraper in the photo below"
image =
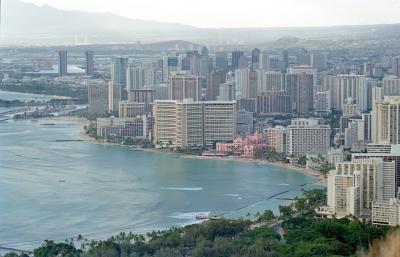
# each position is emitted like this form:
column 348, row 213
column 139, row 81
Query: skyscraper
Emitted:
column 300, row 87
column 98, row 98
column 189, row 123
column 396, row 66
column 215, row 79
column 143, row 95
column 306, row 136
column 319, row 61
column 118, row 71
column 227, row 91
column 235, row 59
column 221, row 61
column 169, row 66
column 114, row 97
column 285, row 57
column 182, row 86
column 255, row 58
column 355, row 185
column 135, row 78
column 385, row 120
column 344, row 86
column 89, row 63
column 62, row 63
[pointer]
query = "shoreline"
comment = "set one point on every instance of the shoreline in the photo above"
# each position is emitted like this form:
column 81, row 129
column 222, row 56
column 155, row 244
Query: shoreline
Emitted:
column 320, row 177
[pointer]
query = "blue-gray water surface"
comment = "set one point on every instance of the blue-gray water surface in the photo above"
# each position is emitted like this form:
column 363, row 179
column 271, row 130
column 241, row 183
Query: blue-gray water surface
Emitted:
column 54, row 190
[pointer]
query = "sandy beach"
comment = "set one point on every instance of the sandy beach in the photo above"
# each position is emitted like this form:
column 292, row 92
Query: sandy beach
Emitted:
column 321, row 177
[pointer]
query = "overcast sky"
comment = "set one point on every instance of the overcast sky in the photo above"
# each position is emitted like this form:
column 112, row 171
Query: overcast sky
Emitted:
column 244, row 13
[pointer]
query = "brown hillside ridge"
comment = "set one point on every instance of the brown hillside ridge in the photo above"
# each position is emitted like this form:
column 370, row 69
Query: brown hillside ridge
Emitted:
column 388, row 247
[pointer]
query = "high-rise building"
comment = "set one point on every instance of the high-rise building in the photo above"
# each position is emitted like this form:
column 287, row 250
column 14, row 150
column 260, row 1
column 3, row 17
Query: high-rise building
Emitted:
column 62, row 63
column 129, row 109
column 143, row 95
column 204, row 63
column 344, row 86
column 215, row 79
column 270, row 81
column 376, row 95
column 248, row 104
column 319, row 61
column 89, row 63
column 255, row 58
column 300, row 87
column 305, row 69
column 227, row 92
column 221, row 61
column 354, row 186
column 273, row 102
column 98, row 98
column 195, row 63
column 322, row 102
column 306, row 136
column 169, row 66
column 387, row 153
column 161, row 91
column 391, row 86
column 182, row 86
column 188, row 123
column 396, row 66
column 274, row 63
column 246, row 82
column 303, row 58
column 285, row 58
column 277, row 138
column 150, row 74
column 263, row 61
column 385, row 120
column 244, row 123
column 118, row 72
column 114, row 97
column 135, row 78
column 235, row 59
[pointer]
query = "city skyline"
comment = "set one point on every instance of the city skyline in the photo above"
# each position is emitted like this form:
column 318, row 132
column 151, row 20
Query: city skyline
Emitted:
column 224, row 14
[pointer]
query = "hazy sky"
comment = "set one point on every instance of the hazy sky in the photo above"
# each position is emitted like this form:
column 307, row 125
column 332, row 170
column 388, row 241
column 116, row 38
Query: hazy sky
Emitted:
column 245, row 13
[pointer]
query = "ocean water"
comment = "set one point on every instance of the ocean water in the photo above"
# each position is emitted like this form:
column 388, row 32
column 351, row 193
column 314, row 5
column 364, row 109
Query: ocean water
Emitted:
column 55, row 190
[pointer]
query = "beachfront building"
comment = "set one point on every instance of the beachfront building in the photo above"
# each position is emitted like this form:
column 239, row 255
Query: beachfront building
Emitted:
column 244, row 146
column 120, row 128
column 354, row 186
column 191, row 123
column 306, row 136
column 98, row 98
column 277, row 138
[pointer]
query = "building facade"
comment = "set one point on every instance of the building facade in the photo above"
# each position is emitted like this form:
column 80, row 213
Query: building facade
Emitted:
column 306, row 136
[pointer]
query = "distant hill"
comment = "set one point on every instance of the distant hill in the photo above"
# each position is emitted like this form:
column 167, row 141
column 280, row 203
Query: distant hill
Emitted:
column 22, row 21
column 28, row 24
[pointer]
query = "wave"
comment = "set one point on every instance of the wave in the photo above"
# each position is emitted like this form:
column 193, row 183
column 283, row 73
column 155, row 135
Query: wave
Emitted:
column 183, row 188
column 15, row 133
column 232, row 195
column 284, row 184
